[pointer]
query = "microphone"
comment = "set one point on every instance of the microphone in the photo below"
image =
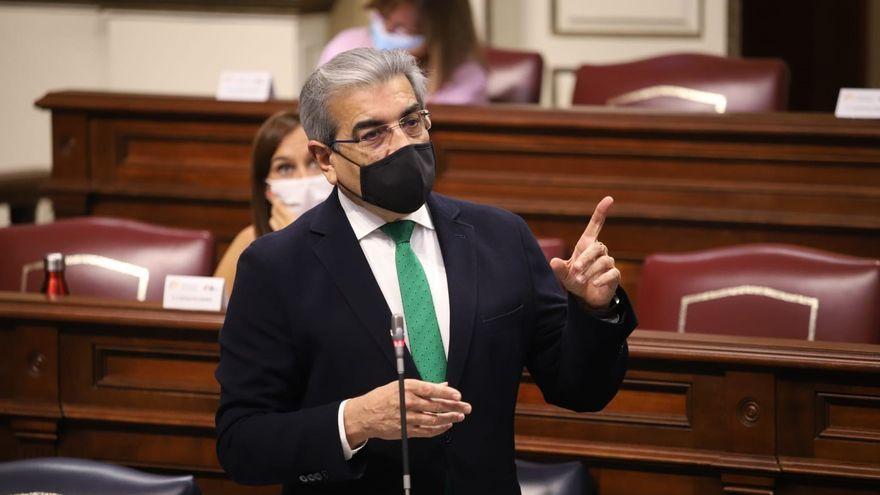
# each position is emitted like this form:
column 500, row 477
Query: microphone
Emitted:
column 399, row 344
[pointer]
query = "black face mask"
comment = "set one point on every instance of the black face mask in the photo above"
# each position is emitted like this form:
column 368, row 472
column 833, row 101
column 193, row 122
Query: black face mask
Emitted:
column 401, row 181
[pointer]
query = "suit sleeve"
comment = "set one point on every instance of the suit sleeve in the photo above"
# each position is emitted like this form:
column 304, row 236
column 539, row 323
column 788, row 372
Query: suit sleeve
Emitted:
column 263, row 435
column 577, row 360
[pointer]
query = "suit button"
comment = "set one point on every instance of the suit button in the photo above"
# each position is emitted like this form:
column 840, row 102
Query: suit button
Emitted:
column 311, row 477
column 318, row 477
column 446, row 439
column 303, row 478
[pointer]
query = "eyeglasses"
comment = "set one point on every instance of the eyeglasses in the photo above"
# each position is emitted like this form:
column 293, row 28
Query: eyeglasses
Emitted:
column 413, row 125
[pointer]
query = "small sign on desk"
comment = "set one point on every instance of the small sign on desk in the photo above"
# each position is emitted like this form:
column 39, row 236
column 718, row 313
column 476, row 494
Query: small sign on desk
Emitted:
column 193, row 293
column 856, row 103
column 245, row 85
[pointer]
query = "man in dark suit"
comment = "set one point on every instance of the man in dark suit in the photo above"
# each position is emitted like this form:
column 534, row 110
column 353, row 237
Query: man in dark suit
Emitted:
column 307, row 370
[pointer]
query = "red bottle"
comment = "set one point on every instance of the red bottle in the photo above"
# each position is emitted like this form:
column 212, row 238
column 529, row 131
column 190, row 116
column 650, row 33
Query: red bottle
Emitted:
column 54, row 284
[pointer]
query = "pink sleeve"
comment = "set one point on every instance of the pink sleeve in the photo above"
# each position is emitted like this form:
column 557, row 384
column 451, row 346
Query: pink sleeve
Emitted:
column 467, row 86
column 346, row 40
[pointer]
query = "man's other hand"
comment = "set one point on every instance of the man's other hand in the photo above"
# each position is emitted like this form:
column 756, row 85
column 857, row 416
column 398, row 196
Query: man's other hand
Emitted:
column 431, row 409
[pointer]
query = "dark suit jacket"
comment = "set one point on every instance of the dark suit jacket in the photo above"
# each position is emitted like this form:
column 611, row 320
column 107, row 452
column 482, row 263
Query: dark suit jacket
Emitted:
column 307, row 327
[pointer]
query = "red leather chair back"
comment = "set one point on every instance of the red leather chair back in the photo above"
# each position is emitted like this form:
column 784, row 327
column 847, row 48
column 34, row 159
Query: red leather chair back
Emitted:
column 514, row 76
column 767, row 290
column 687, row 82
column 553, row 247
column 124, row 250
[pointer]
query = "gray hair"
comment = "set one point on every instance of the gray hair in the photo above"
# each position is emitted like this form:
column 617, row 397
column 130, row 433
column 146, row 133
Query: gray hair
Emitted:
column 358, row 68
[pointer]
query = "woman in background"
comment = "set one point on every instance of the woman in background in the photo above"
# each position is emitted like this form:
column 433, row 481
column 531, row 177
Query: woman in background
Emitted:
column 285, row 182
column 439, row 33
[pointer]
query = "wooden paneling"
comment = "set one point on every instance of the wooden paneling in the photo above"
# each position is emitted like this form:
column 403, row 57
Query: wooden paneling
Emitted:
column 133, row 384
column 609, row 480
column 153, row 369
column 848, row 417
column 843, row 429
column 167, row 381
column 681, row 182
column 200, row 155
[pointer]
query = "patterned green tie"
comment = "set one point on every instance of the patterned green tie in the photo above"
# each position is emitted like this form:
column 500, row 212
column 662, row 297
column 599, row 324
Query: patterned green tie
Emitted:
column 418, row 305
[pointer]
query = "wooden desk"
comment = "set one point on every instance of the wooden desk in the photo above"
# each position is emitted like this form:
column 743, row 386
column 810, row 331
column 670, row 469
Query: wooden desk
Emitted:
column 21, row 191
column 133, row 384
column 681, row 182
column 125, row 382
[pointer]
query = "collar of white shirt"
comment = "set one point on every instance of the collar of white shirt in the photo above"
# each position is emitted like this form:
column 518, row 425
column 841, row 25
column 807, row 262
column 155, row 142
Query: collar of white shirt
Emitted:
column 364, row 221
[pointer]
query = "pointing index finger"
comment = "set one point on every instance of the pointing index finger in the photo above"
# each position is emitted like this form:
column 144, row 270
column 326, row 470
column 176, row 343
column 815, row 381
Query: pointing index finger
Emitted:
column 591, row 233
column 598, row 218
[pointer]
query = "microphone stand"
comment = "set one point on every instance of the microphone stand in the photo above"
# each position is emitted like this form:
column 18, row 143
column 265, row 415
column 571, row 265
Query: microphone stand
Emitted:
column 399, row 344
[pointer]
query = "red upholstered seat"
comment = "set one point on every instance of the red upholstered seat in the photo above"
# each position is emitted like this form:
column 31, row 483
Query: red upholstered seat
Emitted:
column 687, row 82
column 765, row 290
column 553, row 247
column 107, row 257
column 514, row 76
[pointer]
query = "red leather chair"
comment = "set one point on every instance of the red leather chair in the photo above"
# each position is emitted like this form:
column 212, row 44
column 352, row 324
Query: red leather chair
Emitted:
column 553, row 247
column 106, row 257
column 514, row 76
column 687, row 82
column 768, row 290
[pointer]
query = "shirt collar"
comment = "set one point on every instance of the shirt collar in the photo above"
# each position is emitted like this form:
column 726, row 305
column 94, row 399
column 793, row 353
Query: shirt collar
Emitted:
column 364, row 221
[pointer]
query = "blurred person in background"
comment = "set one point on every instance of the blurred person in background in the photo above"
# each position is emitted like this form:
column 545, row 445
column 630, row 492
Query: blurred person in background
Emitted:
column 439, row 33
column 285, row 182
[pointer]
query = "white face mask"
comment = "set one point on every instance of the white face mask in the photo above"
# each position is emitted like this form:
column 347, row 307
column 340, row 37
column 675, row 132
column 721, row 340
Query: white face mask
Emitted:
column 300, row 195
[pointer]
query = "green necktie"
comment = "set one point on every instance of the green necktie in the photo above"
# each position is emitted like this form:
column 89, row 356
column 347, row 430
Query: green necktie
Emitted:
column 425, row 344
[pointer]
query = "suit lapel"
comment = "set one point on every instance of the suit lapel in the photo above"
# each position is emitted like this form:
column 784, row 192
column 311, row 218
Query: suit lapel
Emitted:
column 457, row 245
column 337, row 247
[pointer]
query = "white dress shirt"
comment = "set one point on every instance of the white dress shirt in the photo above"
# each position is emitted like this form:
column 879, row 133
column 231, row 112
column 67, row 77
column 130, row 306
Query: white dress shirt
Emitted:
column 379, row 250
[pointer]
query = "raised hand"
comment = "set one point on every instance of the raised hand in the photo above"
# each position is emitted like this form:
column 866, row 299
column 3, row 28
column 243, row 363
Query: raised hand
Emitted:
column 431, row 409
column 280, row 216
column 590, row 273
